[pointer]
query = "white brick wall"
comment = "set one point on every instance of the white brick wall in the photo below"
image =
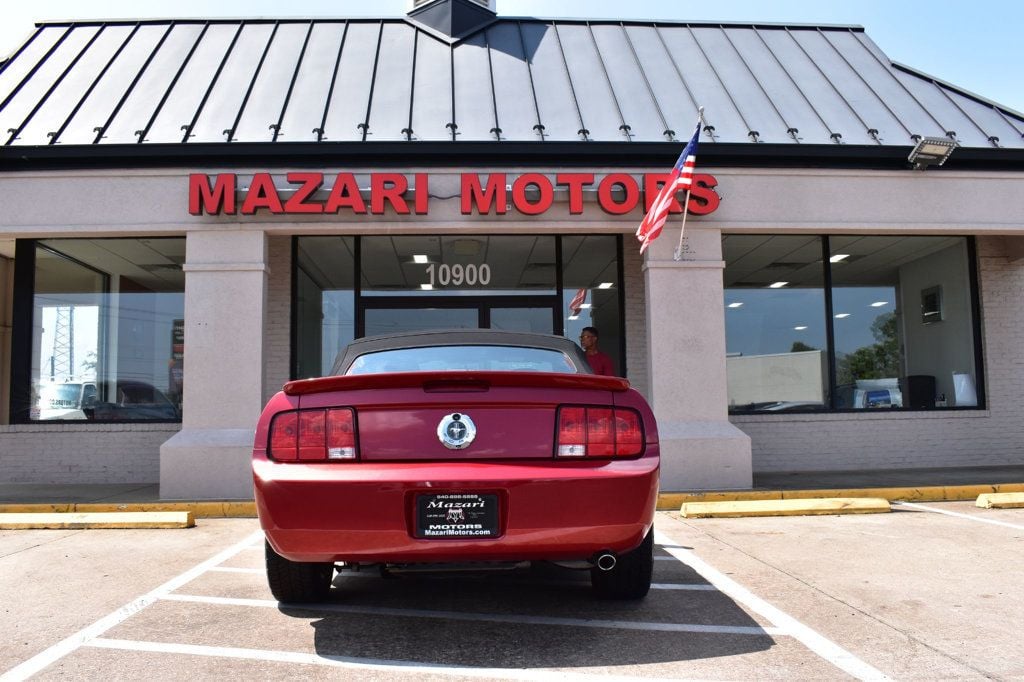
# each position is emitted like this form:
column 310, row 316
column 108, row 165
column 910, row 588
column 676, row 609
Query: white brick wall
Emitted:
column 993, row 436
column 277, row 324
column 82, row 453
column 636, row 315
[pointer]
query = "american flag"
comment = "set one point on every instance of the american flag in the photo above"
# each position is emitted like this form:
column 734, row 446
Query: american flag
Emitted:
column 681, row 178
column 577, row 301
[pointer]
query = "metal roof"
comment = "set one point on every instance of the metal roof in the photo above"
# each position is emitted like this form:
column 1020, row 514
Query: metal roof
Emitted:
column 182, row 82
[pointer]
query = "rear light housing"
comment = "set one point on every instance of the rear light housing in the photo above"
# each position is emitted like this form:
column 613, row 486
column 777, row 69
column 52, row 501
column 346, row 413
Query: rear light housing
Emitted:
column 598, row 431
column 319, row 435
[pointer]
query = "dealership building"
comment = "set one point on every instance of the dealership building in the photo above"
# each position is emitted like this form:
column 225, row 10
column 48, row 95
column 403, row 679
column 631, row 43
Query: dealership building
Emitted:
column 196, row 211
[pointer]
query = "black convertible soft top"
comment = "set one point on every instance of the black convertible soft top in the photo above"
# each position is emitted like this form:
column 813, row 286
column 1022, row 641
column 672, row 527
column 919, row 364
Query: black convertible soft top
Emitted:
column 459, row 337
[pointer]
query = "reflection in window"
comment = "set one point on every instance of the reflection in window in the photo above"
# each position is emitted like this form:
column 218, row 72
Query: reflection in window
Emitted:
column 902, row 325
column 109, row 330
column 776, row 341
column 325, row 305
column 888, row 354
column 590, row 296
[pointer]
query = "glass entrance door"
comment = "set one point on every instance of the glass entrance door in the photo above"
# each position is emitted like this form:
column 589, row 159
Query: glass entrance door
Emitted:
column 383, row 316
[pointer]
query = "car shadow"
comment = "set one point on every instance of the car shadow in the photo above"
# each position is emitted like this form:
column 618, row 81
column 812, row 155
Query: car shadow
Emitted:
column 541, row 617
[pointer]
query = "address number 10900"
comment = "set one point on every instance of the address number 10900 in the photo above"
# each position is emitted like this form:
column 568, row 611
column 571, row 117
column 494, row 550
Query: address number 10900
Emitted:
column 456, row 275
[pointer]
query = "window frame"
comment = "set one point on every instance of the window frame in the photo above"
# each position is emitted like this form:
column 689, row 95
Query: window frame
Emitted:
column 974, row 299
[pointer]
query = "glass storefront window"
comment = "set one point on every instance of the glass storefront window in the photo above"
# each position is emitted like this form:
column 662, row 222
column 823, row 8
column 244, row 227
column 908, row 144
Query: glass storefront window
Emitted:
column 349, row 287
column 776, row 341
column 902, row 327
column 108, row 339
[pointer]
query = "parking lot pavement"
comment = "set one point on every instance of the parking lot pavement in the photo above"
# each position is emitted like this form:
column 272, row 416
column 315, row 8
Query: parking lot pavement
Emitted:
column 915, row 594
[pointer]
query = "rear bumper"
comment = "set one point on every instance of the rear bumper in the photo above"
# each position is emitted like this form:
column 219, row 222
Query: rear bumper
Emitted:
column 364, row 512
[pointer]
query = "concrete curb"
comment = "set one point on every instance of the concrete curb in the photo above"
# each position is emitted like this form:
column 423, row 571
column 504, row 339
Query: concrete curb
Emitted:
column 941, row 493
column 235, row 509
column 1000, row 501
column 800, row 507
column 83, row 520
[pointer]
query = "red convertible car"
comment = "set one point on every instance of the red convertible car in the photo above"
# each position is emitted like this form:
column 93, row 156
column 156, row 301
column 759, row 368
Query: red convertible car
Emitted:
column 470, row 448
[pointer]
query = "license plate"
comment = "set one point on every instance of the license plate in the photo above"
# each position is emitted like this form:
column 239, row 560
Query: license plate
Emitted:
column 456, row 515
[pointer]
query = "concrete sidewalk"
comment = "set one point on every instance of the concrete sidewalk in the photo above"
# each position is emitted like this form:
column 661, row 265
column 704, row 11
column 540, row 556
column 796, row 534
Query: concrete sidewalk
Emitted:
column 917, row 484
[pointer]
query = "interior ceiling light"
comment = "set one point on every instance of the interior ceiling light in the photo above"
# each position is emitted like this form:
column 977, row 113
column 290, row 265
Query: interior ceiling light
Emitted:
column 777, row 285
column 420, row 258
column 584, row 306
column 800, row 328
column 574, row 317
column 838, row 257
column 931, row 151
column 426, row 287
column 879, row 304
column 605, row 285
column 840, row 316
column 736, row 304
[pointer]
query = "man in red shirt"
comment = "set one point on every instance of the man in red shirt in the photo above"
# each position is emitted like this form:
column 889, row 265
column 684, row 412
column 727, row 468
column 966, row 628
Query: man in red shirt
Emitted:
column 599, row 361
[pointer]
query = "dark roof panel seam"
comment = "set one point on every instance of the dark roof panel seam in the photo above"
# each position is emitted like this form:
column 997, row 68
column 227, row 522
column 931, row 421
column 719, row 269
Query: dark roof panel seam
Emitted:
column 365, row 125
column 230, row 132
column 795, row 85
column 320, row 133
column 958, row 90
column 5, row 62
column 682, row 79
column 539, row 125
column 496, row 130
column 407, row 130
column 836, row 135
column 887, row 68
column 790, row 130
column 102, row 130
column 670, row 134
column 885, row 105
column 276, row 127
column 39, row 105
column 187, row 128
column 92, row 86
column 572, row 88
column 624, row 126
column 174, row 81
column 452, row 124
column 993, row 139
column 751, row 133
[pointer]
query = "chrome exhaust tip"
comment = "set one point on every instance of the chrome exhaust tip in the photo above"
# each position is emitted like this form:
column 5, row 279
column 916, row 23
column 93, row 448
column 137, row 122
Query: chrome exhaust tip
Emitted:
column 605, row 561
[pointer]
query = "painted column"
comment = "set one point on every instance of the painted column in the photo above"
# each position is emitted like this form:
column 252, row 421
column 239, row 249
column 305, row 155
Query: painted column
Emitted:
column 225, row 300
column 700, row 449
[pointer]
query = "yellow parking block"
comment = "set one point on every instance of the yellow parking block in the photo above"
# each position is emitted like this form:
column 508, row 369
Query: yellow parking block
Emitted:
column 1000, row 501
column 801, row 507
column 82, row 520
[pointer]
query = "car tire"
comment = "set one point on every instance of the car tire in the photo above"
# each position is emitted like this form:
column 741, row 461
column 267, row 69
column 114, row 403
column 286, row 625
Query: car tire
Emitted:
column 630, row 578
column 297, row 582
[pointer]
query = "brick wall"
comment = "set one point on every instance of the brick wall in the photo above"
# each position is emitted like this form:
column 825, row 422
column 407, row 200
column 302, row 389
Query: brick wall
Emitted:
column 635, row 315
column 993, row 436
column 277, row 319
column 82, row 453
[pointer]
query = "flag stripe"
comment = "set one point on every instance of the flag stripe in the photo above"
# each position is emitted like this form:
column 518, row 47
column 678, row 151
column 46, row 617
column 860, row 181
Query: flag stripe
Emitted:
column 681, row 178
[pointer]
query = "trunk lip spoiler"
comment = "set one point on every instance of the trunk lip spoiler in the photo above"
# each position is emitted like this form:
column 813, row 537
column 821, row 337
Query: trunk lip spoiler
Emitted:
column 436, row 380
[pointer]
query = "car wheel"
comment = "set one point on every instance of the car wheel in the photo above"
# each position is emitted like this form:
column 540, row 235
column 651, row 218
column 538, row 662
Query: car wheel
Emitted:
column 297, row 582
column 630, row 578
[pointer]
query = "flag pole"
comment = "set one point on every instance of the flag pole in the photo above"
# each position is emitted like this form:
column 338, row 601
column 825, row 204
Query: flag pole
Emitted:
column 678, row 255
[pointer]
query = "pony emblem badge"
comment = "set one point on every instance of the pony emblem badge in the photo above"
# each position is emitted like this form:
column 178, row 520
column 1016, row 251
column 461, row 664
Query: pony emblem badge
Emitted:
column 456, row 431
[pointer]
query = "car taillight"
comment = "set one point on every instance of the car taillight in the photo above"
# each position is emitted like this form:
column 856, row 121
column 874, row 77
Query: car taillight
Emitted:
column 313, row 435
column 599, row 432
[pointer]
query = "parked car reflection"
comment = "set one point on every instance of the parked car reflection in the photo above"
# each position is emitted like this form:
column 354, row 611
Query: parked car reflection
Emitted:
column 130, row 400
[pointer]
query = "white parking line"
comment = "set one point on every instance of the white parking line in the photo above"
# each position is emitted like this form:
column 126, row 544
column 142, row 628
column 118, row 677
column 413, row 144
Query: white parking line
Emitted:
column 69, row 644
column 482, row 617
column 231, row 569
column 959, row 515
column 822, row 646
column 370, row 664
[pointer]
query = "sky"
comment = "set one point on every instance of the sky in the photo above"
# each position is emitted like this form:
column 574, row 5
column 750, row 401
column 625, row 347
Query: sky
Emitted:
column 976, row 45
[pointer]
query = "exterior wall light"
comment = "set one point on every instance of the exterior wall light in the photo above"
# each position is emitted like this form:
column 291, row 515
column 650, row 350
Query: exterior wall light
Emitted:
column 931, row 151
